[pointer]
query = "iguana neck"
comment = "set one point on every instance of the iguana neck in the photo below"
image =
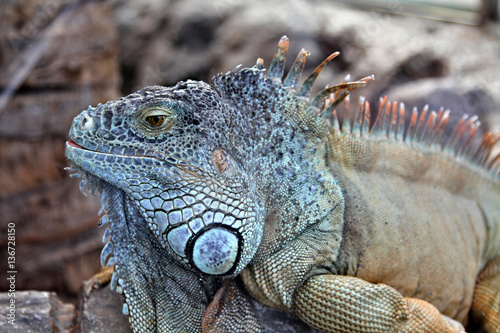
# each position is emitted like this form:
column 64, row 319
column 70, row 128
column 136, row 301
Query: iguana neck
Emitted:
column 282, row 146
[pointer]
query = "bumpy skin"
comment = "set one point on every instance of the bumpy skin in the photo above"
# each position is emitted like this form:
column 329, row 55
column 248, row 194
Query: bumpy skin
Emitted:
column 354, row 226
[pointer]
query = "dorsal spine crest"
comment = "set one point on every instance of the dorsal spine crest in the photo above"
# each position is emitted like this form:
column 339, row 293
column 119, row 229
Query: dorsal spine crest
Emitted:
column 424, row 129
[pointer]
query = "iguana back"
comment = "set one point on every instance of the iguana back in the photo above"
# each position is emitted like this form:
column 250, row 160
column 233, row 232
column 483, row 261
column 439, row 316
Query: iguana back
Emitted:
column 352, row 221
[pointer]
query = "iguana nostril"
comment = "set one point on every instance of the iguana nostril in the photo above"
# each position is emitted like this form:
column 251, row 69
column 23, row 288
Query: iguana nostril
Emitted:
column 86, row 123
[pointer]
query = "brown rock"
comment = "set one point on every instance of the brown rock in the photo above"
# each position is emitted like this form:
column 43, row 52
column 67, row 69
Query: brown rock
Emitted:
column 36, row 311
column 101, row 311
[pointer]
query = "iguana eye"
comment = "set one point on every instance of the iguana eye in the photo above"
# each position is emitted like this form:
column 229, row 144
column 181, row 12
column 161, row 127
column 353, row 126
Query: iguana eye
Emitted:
column 158, row 118
column 155, row 121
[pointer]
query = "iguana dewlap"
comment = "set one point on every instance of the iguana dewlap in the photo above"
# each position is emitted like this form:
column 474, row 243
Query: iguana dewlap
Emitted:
column 353, row 222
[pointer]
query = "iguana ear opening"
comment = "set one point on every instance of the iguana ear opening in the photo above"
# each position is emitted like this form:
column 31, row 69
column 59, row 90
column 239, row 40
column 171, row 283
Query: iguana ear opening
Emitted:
column 219, row 157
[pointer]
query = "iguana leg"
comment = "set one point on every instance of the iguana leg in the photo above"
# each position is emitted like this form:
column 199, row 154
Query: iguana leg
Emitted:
column 230, row 311
column 99, row 279
column 486, row 303
column 104, row 276
column 334, row 303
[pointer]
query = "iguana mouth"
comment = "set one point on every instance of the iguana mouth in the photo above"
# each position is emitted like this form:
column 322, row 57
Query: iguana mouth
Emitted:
column 154, row 155
column 73, row 144
column 120, row 153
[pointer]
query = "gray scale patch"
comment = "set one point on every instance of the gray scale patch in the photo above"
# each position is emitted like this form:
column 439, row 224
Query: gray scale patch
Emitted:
column 175, row 217
column 147, row 194
column 134, row 175
column 208, row 218
column 120, row 176
column 86, row 165
column 179, row 203
column 136, row 189
column 161, row 219
column 218, row 217
column 187, row 213
column 134, row 182
column 146, row 204
column 236, row 224
column 122, row 184
column 156, row 191
column 96, row 169
column 178, row 238
column 196, row 224
column 228, row 220
column 156, row 202
column 167, row 206
column 198, row 208
column 189, row 200
column 136, row 196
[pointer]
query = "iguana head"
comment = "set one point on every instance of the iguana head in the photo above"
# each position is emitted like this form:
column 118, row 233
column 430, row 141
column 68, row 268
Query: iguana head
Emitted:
column 208, row 166
column 165, row 148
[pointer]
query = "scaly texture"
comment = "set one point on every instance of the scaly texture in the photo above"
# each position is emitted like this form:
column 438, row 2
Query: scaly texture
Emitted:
column 353, row 220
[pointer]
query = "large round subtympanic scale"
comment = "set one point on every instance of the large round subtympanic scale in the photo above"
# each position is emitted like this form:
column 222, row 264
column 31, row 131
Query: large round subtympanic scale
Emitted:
column 215, row 251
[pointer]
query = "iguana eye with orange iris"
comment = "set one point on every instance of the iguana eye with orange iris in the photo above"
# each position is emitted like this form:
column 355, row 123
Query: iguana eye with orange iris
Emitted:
column 155, row 120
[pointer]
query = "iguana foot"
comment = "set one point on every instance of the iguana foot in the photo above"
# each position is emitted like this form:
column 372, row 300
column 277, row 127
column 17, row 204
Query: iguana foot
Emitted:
column 486, row 303
column 454, row 325
column 99, row 279
column 424, row 317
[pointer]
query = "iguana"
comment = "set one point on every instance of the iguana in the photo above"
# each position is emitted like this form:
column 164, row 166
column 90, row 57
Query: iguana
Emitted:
column 353, row 221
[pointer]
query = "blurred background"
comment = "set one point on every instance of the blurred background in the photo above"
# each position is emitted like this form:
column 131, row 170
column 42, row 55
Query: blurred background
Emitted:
column 59, row 56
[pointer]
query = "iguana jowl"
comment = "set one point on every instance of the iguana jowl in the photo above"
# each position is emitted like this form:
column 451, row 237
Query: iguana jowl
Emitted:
column 353, row 224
